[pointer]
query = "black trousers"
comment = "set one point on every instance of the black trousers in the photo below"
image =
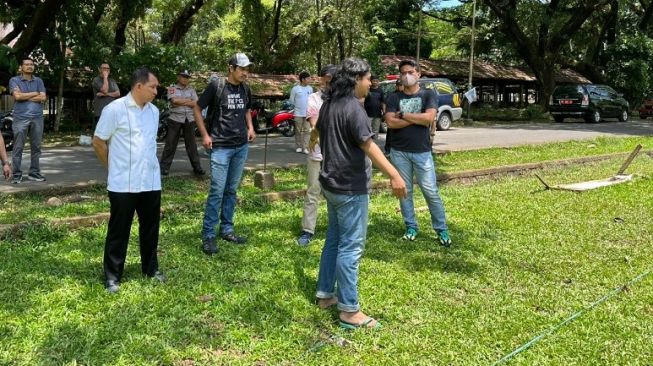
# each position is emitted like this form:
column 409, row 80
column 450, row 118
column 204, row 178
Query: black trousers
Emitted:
column 172, row 139
column 123, row 205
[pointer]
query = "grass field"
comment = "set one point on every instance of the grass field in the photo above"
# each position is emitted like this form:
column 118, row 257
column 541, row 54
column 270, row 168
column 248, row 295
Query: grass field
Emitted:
column 523, row 260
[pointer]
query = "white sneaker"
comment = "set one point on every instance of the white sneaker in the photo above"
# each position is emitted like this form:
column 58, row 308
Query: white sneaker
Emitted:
column 298, row 150
column 305, row 151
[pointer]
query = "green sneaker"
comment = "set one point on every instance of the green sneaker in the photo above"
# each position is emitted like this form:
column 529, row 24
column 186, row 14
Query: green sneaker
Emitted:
column 443, row 237
column 410, row 234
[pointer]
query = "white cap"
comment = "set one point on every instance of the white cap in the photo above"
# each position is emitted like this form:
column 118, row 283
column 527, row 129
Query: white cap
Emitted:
column 239, row 59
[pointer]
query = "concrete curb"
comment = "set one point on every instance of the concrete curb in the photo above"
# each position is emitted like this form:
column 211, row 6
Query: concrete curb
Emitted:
column 96, row 219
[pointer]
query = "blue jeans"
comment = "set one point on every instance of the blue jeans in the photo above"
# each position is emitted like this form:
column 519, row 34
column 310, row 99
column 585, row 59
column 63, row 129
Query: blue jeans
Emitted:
column 20, row 128
column 227, row 166
column 423, row 167
column 343, row 248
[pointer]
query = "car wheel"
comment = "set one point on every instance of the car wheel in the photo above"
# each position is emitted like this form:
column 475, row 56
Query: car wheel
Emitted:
column 624, row 116
column 559, row 119
column 444, row 122
column 595, row 117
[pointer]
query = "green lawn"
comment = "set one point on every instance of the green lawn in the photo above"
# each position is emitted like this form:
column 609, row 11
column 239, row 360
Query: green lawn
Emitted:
column 184, row 191
column 523, row 260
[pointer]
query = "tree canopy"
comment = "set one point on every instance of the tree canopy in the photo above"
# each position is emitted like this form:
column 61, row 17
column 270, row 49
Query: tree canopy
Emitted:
column 607, row 40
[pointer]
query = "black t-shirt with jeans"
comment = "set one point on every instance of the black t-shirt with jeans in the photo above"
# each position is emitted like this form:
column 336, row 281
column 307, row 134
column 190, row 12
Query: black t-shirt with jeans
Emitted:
column 413, row 138
column 343, row 126
column 229, row 127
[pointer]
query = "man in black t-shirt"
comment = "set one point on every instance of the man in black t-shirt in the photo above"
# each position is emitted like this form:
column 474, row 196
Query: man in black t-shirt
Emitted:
column 411, row 114
column 346, row 144
column 374, row 105
column 231, row 129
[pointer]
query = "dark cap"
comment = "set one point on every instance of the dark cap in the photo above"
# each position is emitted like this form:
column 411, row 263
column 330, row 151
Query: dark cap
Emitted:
column 329, row 70
column 185, row 73
column 239, row 59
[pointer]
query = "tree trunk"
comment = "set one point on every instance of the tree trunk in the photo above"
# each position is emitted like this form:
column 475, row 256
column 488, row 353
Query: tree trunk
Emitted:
column 36, row 28
column 62, row 73
column 182, row 23
column 546, row 82
column 647, row 18
column 341, row 45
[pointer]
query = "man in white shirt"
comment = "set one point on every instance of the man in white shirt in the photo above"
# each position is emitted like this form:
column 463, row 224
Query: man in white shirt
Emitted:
column 125, row 142
column 299, row 98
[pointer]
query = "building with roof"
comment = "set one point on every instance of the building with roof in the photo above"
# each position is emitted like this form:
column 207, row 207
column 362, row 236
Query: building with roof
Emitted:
column 495, row 83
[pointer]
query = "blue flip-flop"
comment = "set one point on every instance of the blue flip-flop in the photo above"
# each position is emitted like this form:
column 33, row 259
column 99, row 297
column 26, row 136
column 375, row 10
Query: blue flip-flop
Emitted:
column 364, row 324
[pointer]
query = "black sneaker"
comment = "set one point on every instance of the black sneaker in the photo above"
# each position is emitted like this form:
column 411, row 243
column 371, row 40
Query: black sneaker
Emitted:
column 209, row 247
column 233, row 238
column 37, row 177
column 199, row 171
column 164, row 172
column 16, row 179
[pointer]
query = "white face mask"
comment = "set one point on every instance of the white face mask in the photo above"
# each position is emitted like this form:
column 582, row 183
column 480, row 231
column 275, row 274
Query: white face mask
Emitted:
column 408, row 80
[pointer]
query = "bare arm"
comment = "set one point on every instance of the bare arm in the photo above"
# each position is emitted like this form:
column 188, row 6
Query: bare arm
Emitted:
column 115, row 94
column 38, row 98
column 423, row 119
column 20, row 96
column 394, row 122
column 179, row 102
column 251, row 133
column 6, row 168
column 104, row 89
column 199, row 121
column 101, row 150
column 379, row 160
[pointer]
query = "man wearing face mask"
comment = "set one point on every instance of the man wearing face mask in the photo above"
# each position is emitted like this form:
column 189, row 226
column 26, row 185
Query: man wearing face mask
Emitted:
column 411, row 114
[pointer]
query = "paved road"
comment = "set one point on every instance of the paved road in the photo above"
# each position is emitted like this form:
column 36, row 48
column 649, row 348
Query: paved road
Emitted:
column 506, row 135
column 75, row 166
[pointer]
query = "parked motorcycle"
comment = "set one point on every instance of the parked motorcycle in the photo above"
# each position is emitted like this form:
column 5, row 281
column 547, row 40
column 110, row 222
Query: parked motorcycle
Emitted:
column 6, row 121
column 281, row 121
column 162, row 131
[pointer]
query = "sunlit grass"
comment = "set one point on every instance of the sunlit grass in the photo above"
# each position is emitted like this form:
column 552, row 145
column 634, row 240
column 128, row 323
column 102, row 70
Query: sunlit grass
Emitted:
column 523, row 260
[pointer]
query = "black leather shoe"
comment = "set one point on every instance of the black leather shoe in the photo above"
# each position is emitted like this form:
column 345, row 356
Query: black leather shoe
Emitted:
column 209, row 247
column 159, row 276
column 199, row 171
column 112, row 286
column 233, row 238
column 164, row 172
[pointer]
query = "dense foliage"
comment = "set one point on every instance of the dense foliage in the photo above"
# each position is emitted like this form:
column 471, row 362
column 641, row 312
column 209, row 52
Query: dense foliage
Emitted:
column 609, row 41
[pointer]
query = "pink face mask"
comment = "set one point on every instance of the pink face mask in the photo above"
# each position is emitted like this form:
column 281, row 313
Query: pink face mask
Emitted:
column 408, row 80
